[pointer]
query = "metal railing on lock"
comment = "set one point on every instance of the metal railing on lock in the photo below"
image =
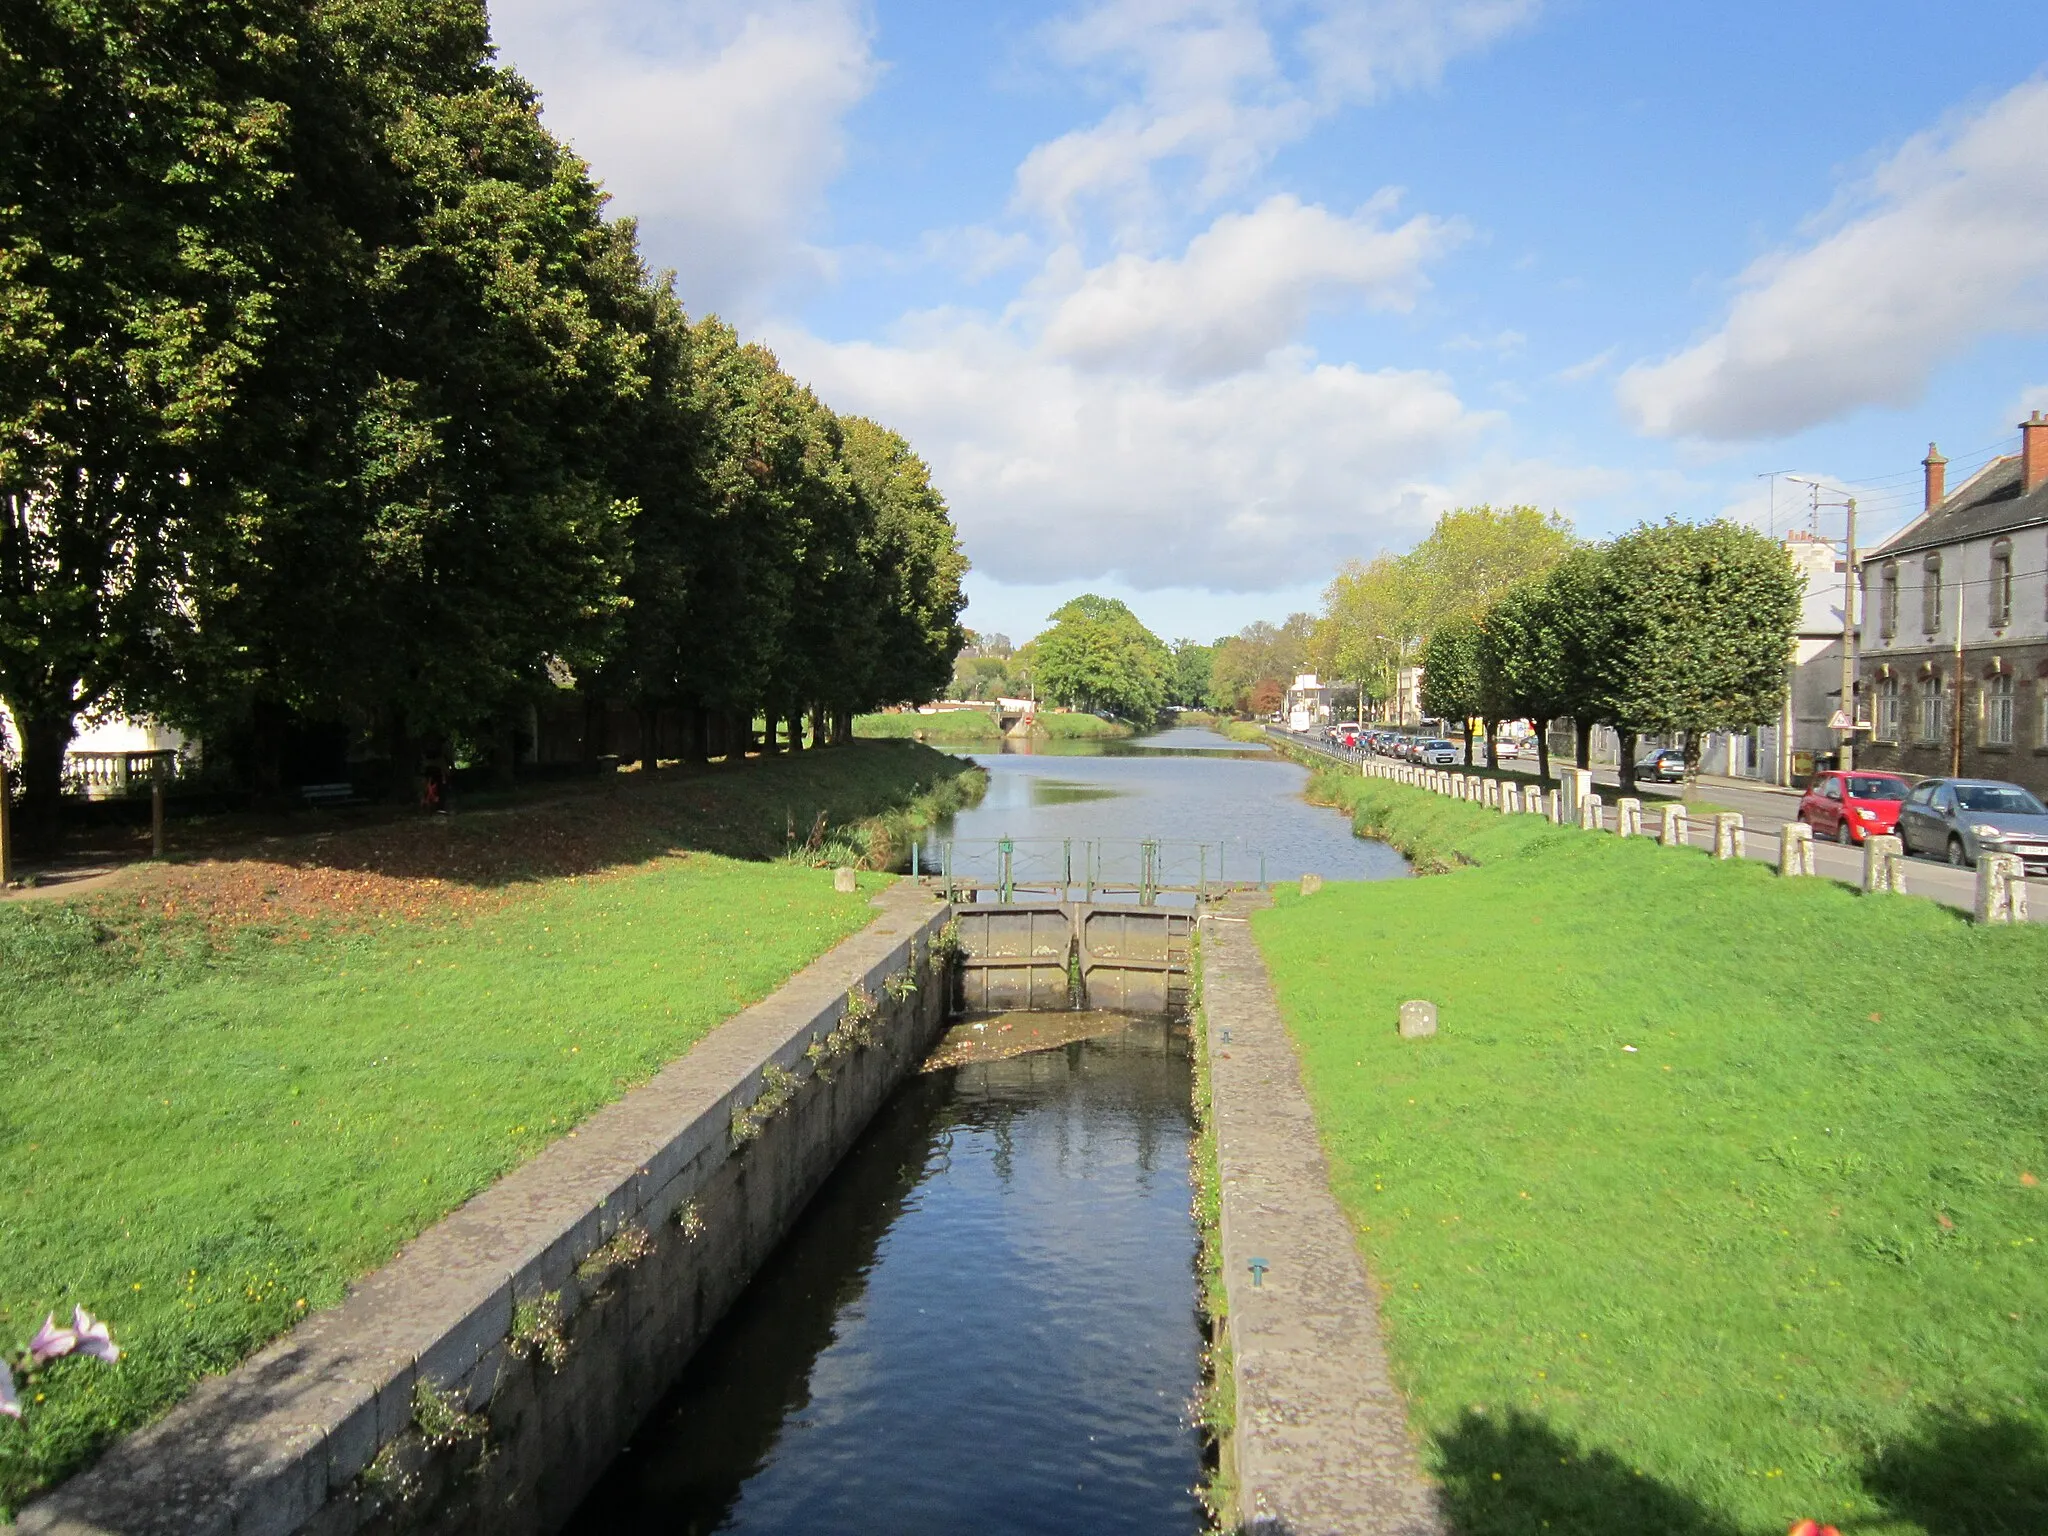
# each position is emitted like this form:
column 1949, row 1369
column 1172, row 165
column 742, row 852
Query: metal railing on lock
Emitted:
column 1144, row 870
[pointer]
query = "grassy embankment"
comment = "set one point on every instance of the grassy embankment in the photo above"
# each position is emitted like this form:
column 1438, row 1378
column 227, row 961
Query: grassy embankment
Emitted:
column 1717, row 1200
column 238, row 1085
column 958, row 727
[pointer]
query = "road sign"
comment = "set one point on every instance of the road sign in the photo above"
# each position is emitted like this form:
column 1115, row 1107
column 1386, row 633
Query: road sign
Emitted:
column 1839, row 721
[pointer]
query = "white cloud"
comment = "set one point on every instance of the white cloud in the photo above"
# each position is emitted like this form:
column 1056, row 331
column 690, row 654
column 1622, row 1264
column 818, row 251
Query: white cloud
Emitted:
column 1945, row 244
column 1212, row 89
column 1243, row 288
column 1585, row 368
column 717, row 123
column 1260, row 479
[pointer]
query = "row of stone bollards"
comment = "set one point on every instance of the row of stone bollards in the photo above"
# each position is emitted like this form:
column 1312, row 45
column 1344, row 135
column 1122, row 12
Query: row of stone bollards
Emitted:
column 2001, row 877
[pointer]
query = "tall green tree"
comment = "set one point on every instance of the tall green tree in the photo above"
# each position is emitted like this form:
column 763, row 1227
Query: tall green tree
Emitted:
column 1450, row 676
column 1194, row 670
column 143, row 149
column 1522, row 665
column 1259, row 654
column 1098, row 656
column 1701, row 624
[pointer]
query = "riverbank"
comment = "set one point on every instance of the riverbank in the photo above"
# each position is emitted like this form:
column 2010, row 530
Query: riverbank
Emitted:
column 959, row 727
column 1717, row 1201
column 245, row 1082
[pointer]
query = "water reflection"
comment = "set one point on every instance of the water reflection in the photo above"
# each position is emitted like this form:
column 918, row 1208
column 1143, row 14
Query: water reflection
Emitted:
column 1187, row 784
column 983, row 1322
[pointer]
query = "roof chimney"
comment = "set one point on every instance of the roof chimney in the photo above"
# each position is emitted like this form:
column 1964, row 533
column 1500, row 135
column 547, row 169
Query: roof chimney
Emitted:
column 1937, row 477
column 2033, row 452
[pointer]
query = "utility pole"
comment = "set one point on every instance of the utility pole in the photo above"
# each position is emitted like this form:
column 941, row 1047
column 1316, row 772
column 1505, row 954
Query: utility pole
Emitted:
column 1772, row 476
column 1848, row 757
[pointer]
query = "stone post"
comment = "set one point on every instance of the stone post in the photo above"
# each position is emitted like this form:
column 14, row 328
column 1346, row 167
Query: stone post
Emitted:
column 1510, row 799
column 1418, row 1019
column 2001, row 888
column 1628, row 817
column 1553, row 807
column 1591, row 818
column 1795, row 849
column 1728, row 841
column 1532, row 800
column 1575, row 784
column 1884, row 865
column 1310, row 884
column 1674, row 831
column 844, row 881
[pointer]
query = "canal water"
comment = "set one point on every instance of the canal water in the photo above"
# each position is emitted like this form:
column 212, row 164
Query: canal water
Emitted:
column 986, row 1319
column 1187, row 786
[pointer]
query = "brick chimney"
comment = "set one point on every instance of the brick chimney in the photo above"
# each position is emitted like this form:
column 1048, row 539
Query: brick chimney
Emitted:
column 1937, row 477
column 2033, row 452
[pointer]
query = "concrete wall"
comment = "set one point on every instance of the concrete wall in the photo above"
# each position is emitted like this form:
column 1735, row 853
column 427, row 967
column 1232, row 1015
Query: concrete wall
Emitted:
column 323, row 1431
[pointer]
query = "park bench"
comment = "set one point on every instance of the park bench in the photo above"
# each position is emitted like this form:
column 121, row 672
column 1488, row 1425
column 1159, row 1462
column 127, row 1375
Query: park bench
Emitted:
column 343, row 793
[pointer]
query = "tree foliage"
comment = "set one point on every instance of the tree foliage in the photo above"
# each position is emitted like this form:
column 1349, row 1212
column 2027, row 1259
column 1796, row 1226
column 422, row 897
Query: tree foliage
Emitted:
column 1098, row 656
column 329, row 391
column 1259, row 654
column 1451, row 674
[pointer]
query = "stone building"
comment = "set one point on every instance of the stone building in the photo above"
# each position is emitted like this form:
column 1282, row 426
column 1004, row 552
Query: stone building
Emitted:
column 1954, row 637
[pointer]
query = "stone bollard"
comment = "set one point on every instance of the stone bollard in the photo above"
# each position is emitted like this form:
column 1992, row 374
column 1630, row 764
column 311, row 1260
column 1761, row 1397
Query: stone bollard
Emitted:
column 1728, row 841
column 1532, row 800
column 1628, row 817
column 1795, row 849
column 1884, row 865
column 1418, row 1020
column 1310, row 884
column 844, row 882
column 1591, row 818
column 1553, row 807
column 2001, row 888
column 1575, row 784
column 1510, row 799
column 1674, row 831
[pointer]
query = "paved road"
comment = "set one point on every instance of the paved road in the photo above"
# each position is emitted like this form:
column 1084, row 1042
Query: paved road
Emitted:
column 1766, row 808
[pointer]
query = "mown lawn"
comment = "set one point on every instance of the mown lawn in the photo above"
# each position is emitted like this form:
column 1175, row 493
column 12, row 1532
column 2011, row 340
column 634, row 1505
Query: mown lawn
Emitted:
column 1718, row 1200
column 218, row 1118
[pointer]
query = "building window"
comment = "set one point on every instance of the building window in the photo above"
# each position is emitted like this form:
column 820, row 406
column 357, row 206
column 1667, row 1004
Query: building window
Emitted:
column 1998, row 706
column 1930, row 595
column 2001, row 584
column 1930, row 709
column 1888, row 600
column 1888, row 709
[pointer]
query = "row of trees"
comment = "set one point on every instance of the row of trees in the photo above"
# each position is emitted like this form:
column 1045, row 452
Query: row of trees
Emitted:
column 328, row 391
column 1675, row 627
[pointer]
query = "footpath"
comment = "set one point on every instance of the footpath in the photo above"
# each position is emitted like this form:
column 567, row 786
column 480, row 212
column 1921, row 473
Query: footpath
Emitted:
column 1321, row 1444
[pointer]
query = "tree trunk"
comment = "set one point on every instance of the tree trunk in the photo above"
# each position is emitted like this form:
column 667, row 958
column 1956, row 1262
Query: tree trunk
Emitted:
column 505, row 754
column 1584, row 728
column 650, row 739
column 1492, row 743
column 1542, row 752
column 1692, row 758
column 820, row 737
column 1626, row 769
column 1468, row 741
column 696, row 733
column 842, row 727
column 44, row 741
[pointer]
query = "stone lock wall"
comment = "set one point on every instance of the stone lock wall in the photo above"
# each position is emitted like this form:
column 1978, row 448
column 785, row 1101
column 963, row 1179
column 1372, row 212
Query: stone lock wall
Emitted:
column 481, row 1381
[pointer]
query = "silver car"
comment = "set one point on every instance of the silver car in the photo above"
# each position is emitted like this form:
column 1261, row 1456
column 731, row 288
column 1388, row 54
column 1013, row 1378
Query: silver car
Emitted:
column 1960, row 819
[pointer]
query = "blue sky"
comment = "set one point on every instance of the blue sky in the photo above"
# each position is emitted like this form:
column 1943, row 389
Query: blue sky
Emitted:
column 1190, row 301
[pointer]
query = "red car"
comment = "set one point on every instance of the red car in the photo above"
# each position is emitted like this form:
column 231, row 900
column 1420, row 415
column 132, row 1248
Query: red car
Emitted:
column 1851, row 806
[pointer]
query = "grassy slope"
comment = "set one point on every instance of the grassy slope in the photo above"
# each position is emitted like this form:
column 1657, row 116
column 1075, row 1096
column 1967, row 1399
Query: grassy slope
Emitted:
column 214, row 1129
column 1783, row 1258
column 973, row 725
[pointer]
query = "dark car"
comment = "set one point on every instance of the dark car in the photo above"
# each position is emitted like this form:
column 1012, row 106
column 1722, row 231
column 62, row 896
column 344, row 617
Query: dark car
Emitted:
column 1666, row 767
column 1962, row 819
column 1852, row 806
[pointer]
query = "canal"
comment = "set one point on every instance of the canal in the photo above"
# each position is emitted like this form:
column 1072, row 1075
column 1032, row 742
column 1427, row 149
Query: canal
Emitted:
column 986, row 1319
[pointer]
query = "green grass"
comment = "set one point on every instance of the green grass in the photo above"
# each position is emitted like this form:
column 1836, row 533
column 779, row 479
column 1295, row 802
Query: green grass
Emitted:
column 974, row 725
column 209, row 1133
column 1784, row 1258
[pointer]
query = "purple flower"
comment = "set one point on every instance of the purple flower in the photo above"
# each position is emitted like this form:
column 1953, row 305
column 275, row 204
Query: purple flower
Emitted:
column 92, row 1338
column 9, row 1403
column 51, row 1342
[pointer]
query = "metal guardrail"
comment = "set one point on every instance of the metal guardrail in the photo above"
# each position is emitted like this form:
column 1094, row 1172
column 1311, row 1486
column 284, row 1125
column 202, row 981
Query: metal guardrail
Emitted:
column 1089, row 869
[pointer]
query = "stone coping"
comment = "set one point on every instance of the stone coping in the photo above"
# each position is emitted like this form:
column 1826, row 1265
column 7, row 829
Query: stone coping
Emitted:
column 260, row 1451
column 1322, row 1445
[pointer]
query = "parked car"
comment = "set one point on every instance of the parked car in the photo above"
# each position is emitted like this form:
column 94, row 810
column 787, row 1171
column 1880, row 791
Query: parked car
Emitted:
column 1347, row 736
column 1852, row 806
column 1665, row 767
column 1962, row 819
column 1437, row 753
